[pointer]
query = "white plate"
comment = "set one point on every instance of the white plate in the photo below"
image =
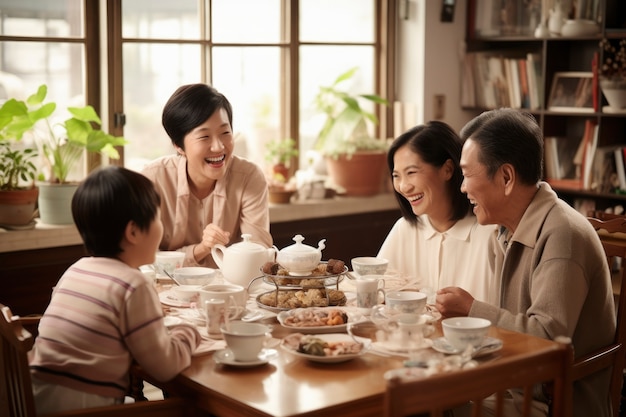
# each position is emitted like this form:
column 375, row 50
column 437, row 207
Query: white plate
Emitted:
column 168, row 298
column 441, row 345
column 226, row 357
column 390, row 348
column 330, row 337
column 353, row 316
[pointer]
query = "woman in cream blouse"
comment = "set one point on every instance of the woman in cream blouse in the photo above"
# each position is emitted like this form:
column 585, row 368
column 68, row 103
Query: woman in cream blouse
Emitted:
column 437, row 241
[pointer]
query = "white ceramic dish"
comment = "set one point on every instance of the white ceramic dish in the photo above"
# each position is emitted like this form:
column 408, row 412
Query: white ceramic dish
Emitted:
column 168, row 298
column 441, row 345
column 331, row 337
column 226, row 357
column 353, row 316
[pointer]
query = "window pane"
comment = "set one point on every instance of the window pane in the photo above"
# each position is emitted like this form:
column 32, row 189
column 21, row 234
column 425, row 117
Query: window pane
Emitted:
column 50, row 18
column 337, row 21
column 24, row 66
column 161, row 19
column 337, row 60
column 250, row 79
column 151, row 74
column 242, row 21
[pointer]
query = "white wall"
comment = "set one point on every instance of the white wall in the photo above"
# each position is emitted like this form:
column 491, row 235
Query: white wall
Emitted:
column 429, row 53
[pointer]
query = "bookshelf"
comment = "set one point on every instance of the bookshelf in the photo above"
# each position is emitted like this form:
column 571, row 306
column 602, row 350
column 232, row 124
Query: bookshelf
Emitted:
column 503, row 42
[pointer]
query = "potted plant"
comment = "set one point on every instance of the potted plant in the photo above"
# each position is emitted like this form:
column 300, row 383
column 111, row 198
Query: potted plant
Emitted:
column 345, row 139
column 18, row 192
column 612, row 73
column 279, row 153
column 62, row 146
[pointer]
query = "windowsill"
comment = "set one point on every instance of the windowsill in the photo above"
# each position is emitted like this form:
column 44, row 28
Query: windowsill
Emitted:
column 49, row 236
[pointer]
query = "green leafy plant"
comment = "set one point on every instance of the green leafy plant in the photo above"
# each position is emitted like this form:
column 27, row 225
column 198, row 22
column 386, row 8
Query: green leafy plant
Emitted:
column 346, row 129
column 16, row 166
column 280, row 151
column 61, row 144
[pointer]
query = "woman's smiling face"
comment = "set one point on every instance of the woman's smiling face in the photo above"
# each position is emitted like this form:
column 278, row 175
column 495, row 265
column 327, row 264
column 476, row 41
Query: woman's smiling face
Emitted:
column 209, row 148
column 425, row 186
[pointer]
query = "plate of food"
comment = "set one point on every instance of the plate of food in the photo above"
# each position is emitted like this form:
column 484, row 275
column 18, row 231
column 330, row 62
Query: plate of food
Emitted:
column 325, row 348
column 283, row 300
column 313, row 320
column 323, row 275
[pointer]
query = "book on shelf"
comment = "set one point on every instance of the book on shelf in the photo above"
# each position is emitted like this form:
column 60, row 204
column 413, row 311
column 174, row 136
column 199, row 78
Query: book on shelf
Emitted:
column 561, row 159
column 493, row 79
column 604, row 173
column 591, row 143
column 569, row 161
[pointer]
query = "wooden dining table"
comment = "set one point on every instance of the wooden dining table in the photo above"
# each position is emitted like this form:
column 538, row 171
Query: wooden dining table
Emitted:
column 293, row 386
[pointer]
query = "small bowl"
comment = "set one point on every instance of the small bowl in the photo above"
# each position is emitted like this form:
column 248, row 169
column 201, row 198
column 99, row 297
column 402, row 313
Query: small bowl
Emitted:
column 463, row 331
column 194, row 275
column 187, row 293
column 369, row 265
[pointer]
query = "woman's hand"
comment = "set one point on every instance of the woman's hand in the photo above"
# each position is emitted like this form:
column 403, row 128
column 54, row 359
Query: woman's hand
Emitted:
column 453, row 302
column 211, row 236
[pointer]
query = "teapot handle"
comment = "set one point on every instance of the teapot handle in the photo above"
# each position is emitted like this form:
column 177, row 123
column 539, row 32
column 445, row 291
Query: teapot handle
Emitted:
column 217, row 252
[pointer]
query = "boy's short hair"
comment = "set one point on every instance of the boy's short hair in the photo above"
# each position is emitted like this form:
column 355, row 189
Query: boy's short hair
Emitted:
column 106, row 201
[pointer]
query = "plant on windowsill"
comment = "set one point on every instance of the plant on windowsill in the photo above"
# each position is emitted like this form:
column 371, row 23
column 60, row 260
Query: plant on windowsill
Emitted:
column 279, row 153
column 345, row 139
column 61, row 145
column 18, row 192
column 612, row 72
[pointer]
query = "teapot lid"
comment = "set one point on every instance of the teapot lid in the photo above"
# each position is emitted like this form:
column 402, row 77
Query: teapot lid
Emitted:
column 300, row 248
column 246, row 246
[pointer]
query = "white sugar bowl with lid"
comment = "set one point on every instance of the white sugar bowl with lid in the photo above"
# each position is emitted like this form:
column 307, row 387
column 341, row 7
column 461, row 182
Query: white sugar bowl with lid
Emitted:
column 240, row 262
column 300, row 259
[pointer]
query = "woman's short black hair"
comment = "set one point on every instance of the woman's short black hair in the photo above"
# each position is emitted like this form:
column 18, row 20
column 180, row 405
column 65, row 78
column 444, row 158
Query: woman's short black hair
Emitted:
column 106, row 201
column 435, row 142
column 508, row 136
column 189, row 107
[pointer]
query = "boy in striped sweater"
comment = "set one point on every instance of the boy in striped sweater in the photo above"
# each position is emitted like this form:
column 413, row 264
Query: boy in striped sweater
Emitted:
column 104, row 313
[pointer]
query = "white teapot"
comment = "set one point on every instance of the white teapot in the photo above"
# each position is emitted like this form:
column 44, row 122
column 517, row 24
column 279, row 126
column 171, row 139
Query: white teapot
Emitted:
column 300, row 259
column 241, row 262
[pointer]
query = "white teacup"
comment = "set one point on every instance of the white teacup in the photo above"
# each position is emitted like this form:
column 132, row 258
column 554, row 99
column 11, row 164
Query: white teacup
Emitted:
column 246, row 339
column 463, row 331
column 168, row 261
column 369, row 288
column 406, row 301
column 224, row 292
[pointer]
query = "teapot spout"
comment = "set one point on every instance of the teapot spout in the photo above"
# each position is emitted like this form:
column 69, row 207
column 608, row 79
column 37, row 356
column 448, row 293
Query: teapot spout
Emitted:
column 321, row 245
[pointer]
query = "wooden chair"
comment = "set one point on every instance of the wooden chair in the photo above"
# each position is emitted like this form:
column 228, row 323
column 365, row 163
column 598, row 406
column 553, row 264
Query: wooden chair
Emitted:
column 16, row 395
column 612, row 231
column 435, row 394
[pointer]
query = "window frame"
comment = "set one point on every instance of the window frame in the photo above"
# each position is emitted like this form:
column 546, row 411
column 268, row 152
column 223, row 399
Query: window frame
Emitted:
column 384, row 65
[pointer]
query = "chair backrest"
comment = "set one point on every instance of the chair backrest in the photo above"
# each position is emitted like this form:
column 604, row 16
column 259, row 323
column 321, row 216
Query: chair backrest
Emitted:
column 16, row 395
column 612, row 232
column 437, row 393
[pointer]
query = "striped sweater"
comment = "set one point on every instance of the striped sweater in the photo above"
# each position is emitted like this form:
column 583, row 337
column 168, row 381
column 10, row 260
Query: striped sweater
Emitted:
column 103, row 315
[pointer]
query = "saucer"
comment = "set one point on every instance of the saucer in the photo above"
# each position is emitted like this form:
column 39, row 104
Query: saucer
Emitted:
column 441, row 345
column 226, row 357
column 168, row 298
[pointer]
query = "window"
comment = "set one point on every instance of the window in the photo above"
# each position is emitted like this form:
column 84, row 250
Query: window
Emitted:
column 269, row 58
column 47, row 43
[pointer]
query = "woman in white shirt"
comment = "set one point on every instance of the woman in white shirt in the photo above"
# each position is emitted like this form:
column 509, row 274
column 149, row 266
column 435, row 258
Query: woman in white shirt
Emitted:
column 437, row 242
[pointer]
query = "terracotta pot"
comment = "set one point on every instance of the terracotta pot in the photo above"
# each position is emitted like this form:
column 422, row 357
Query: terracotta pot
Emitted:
column 17, row 207
column 360, row 175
